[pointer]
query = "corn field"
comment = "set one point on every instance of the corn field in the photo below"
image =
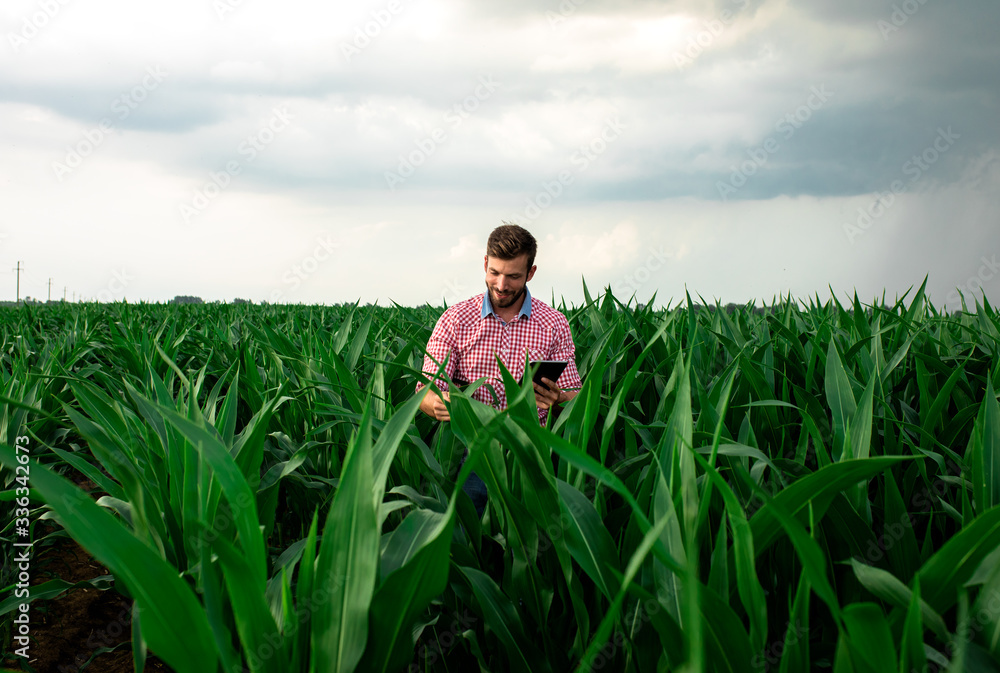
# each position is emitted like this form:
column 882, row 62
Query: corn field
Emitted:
column 808, row 486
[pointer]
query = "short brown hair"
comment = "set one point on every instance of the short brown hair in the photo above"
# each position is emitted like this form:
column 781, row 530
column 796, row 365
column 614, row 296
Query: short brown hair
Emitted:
column 509, row 241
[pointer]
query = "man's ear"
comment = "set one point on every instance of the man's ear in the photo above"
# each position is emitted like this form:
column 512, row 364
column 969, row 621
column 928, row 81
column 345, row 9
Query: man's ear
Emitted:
column 486, row 262
column 531, row 272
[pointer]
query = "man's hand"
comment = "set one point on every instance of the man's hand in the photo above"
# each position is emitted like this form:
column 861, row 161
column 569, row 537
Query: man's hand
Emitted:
column 433, row 405
column 548, row 394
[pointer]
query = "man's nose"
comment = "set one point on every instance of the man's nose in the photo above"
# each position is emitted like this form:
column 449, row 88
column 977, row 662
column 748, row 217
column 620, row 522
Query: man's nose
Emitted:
column 502, row 284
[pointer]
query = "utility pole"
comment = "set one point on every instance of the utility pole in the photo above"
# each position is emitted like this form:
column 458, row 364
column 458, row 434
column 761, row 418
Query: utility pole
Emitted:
column 50, row 289
column 64, row 293
column 19, row 270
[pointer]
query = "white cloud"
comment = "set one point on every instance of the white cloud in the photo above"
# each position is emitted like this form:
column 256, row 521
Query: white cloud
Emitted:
column 465, row 247
column 653, row 189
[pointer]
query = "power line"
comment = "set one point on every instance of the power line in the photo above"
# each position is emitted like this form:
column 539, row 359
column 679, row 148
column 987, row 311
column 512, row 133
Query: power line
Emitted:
column 19, row 270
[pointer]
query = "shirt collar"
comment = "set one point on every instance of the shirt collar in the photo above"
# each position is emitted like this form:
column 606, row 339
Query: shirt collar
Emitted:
column 525, row 307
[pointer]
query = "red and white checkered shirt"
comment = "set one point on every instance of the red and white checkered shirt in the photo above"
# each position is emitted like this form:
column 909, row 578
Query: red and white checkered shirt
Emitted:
column 473, row 335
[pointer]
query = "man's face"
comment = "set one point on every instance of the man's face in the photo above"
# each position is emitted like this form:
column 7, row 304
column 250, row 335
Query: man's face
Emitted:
column 506, row 279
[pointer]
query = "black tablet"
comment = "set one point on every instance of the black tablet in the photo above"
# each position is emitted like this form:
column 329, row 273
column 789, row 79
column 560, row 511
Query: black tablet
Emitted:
column 550, row 369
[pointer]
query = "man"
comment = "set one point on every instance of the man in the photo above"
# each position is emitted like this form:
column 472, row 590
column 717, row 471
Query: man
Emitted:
column 504, row 321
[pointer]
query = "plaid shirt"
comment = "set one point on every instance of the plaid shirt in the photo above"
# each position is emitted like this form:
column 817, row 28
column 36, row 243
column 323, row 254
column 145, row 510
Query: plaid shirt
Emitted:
column 473, row 334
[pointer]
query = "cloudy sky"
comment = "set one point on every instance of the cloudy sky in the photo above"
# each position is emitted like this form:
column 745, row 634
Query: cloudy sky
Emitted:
column 314, row 152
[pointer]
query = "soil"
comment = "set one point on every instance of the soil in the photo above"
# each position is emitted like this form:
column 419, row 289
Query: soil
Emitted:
column 67, row 631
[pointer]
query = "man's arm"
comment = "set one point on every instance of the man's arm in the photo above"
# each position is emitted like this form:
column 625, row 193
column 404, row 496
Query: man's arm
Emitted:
column 440, row 347
column 433, row 404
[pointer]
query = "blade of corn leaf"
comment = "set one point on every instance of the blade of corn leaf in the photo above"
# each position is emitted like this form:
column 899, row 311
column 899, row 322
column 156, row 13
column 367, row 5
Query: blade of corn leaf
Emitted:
column 911, row 649
column 238, row 493
column 254, row 622
column 954, row 563
column 588, row 540
column 840, row 397
column 213, row 598
column 727, row 646
column 611, row 616
column 421, row 574
column 869, row 639
column 889, row 588
column 986, row 455
column 306, row 595
column 823, row 483
column 172, row 621
column 748, row 584
column 347, row 563
column 795, row 655
column 502, row 619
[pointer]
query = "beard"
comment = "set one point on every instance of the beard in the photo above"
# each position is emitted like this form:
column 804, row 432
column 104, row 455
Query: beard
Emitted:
column 504, row 302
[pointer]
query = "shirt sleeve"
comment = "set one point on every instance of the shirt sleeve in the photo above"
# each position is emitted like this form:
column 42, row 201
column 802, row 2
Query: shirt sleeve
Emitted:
column 566, row 350
column 440, row 346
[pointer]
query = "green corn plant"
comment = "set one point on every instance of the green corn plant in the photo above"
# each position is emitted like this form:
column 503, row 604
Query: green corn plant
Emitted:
column 735, row 488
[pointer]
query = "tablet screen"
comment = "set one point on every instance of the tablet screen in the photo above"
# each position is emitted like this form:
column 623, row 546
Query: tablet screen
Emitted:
column 550, row 369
